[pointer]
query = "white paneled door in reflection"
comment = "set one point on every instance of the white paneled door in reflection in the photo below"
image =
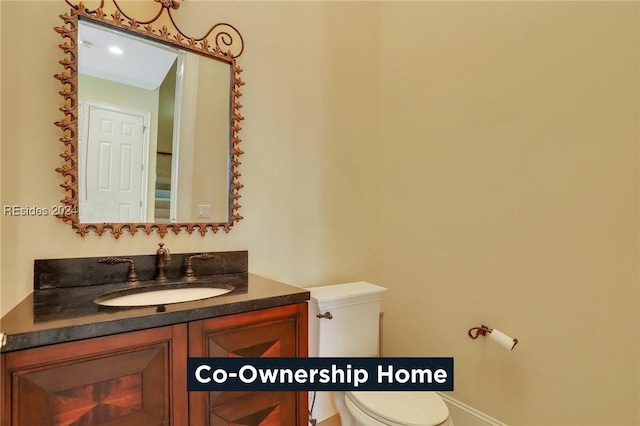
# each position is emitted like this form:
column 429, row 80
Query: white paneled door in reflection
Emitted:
column 113, row 181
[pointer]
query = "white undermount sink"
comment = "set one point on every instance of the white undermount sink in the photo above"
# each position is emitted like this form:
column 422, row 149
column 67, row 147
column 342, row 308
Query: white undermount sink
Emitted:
column 160, row 296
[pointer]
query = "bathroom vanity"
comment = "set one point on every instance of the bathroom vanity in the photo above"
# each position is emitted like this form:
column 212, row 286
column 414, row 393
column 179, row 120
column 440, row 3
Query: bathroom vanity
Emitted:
column 68, row 360
column 67, row 356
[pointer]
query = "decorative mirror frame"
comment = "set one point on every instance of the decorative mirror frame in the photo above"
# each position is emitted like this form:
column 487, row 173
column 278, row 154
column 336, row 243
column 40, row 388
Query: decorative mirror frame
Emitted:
column 220, row 36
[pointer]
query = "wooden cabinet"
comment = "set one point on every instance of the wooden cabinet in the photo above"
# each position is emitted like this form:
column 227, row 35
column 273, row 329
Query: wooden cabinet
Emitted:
column 280, row 332
column 138, row 378
column 123, row 379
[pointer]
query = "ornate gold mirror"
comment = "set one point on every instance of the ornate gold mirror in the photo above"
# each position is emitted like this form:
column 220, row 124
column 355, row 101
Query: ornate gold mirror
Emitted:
column 151, row 123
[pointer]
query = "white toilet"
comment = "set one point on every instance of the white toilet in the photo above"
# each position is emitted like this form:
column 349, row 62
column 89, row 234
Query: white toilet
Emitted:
column 353, row 331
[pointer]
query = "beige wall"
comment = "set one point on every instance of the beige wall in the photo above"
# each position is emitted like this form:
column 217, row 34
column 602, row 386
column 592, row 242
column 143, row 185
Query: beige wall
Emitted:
column 509, row 188
column 478, row 159
column 210, row 185
column 306, row 126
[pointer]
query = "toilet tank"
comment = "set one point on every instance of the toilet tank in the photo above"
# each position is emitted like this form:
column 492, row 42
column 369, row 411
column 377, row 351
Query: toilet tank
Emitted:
column 353, row 330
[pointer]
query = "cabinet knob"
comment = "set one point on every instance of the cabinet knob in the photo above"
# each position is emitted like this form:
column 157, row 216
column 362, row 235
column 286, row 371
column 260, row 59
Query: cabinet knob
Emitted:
column 326, row 315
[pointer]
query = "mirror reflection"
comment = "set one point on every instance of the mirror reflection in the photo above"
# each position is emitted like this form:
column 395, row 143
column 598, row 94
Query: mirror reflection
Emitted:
column 153, row 131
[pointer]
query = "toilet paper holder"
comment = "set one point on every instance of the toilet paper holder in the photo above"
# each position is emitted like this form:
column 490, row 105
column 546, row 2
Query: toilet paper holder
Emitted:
column 502, row 339
column 479, row 331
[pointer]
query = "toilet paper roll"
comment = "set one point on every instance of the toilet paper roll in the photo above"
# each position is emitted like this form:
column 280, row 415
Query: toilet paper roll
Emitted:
column 502, row 339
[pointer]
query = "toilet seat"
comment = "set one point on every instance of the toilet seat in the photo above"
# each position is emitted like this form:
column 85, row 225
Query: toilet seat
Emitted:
column 402, row 408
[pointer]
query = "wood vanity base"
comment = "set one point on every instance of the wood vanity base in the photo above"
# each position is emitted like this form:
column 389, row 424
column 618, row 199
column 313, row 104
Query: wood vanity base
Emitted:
column 138, row 378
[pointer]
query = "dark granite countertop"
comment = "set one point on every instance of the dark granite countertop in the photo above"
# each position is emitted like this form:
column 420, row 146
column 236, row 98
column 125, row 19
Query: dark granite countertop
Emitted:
column 63, row 314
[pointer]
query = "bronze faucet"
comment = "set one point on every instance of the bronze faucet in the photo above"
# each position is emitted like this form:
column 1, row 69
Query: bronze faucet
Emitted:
column 163, row 257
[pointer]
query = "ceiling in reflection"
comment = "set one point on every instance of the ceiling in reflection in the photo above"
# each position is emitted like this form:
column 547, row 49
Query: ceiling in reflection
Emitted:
column 139, row 64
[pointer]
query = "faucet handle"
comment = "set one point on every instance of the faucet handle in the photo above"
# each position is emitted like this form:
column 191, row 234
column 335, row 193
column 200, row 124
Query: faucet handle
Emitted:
column 189, row 275
column 132, row 275
column 202, row 256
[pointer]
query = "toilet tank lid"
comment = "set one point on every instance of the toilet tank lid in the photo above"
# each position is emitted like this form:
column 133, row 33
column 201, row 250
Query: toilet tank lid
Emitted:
column 345, row 294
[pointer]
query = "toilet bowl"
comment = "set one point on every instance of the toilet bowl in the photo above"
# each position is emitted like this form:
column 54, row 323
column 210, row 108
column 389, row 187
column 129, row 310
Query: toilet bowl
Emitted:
column 397, row 409
column 352, row 330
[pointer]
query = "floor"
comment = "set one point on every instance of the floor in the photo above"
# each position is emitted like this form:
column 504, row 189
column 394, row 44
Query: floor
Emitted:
column 332, row 421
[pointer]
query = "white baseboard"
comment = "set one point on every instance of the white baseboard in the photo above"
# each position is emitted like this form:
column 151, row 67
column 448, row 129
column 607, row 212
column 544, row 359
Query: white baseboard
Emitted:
column 464, row 415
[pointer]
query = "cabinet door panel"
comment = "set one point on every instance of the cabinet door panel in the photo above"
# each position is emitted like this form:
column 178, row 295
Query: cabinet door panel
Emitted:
column 253, row 408
column 268, row 333
column 97, row 391
column 114, row 380
column 276, row 339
